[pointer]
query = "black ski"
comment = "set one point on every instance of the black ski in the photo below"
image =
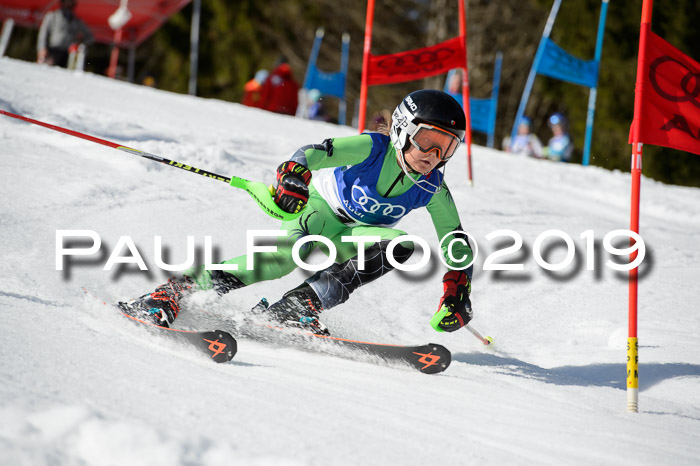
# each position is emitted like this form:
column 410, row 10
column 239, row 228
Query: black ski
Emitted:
column 217, row 344
column 428, row 359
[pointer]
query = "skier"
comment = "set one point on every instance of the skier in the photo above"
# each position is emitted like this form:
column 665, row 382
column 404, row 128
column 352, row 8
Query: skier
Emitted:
column 362, row 186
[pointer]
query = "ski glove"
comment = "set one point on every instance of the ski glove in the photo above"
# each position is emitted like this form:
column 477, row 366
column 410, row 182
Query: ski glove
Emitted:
column 292, row 191
column 455, row 309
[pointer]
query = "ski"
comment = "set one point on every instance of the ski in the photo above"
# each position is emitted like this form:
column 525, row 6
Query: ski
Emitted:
column 219, row 345
column 430, row 358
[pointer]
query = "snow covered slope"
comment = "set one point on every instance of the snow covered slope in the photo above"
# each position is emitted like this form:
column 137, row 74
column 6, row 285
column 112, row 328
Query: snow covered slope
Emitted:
column 80, row 385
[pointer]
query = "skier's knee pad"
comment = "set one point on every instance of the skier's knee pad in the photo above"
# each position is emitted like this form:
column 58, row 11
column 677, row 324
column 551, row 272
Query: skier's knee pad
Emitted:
column 335, row 284
column 403, row 251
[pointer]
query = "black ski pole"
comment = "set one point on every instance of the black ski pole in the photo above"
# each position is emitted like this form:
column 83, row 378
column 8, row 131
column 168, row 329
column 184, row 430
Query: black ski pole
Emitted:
column 259, row 191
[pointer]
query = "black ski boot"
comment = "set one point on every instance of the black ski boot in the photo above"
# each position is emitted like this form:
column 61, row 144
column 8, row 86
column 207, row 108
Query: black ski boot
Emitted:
column 298, row 308
column 163, row 305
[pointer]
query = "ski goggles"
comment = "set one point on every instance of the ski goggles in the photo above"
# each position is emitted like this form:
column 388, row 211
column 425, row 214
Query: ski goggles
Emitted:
column 428, row 138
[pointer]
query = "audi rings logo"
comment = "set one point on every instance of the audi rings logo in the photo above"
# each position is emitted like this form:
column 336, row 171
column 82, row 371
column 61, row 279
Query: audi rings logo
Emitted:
column 689, row 84
column 372, row 206
column 420, row 58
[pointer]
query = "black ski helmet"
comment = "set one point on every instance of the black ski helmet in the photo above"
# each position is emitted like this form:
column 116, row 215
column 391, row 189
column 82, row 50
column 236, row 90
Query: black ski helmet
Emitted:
column 426, row 106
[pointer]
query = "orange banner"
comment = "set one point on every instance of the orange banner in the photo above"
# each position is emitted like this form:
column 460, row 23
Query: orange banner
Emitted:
column 417, row 64
column 670, row 112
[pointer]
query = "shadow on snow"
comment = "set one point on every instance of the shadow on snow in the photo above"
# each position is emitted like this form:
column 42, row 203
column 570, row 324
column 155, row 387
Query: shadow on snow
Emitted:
column 592, row 375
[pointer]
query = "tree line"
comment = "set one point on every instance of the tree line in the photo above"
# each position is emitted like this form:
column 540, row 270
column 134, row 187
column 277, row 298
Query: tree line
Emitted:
column 239, row 38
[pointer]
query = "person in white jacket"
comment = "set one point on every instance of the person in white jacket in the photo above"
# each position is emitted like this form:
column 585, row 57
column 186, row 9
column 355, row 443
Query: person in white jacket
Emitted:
column 525, row 142
column 59, row 30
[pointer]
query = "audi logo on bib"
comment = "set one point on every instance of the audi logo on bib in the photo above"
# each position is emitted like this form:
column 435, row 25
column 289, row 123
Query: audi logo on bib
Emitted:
column 372, row 206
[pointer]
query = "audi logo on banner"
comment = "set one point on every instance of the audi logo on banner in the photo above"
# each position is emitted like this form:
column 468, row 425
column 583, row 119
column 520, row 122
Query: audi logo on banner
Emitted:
column 669, row 110
column 416, row 64
column 426, row 60
column 690, row 93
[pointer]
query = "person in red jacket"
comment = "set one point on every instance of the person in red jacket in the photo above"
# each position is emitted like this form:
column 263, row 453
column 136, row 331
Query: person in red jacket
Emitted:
column 280, row 91
column 253, row 88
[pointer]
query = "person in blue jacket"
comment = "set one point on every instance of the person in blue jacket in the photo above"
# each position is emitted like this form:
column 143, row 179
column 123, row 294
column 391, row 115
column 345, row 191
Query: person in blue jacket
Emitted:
column 560, row 147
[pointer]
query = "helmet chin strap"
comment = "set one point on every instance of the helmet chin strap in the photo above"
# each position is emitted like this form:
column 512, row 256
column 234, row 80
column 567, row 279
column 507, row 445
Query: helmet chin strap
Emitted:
column 408, row 170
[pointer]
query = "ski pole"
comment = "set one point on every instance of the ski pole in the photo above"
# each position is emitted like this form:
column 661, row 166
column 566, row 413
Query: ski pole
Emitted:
column 484, row 340
column 259, row 191
column 442, row 312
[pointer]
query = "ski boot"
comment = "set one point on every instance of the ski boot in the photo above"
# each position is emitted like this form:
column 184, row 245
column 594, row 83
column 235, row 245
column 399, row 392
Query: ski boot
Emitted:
column 162, row 306
column 296, row 309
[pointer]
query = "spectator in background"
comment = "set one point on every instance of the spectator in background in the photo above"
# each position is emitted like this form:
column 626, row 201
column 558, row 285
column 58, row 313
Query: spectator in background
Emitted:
column 454, row 84
column 525, row 143
column 560, row 146
column 252, row 90
column 279, row 93
column 316, row 110
column 59, row 30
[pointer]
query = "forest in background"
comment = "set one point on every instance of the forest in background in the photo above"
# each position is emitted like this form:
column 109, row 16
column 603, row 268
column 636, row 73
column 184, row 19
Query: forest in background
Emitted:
column 238, row 38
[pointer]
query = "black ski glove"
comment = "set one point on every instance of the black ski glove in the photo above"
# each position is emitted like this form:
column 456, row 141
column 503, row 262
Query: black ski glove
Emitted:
column 292, row 191
column 455, row 309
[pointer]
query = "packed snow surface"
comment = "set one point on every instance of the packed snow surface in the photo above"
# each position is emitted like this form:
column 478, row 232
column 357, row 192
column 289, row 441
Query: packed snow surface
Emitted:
column 79, row 384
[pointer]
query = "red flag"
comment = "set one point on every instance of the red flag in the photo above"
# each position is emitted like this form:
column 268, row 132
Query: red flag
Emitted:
column 670, row 111
column 417, row 64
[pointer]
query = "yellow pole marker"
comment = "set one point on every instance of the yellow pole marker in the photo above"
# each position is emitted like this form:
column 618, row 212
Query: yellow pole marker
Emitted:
column 632, row 375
